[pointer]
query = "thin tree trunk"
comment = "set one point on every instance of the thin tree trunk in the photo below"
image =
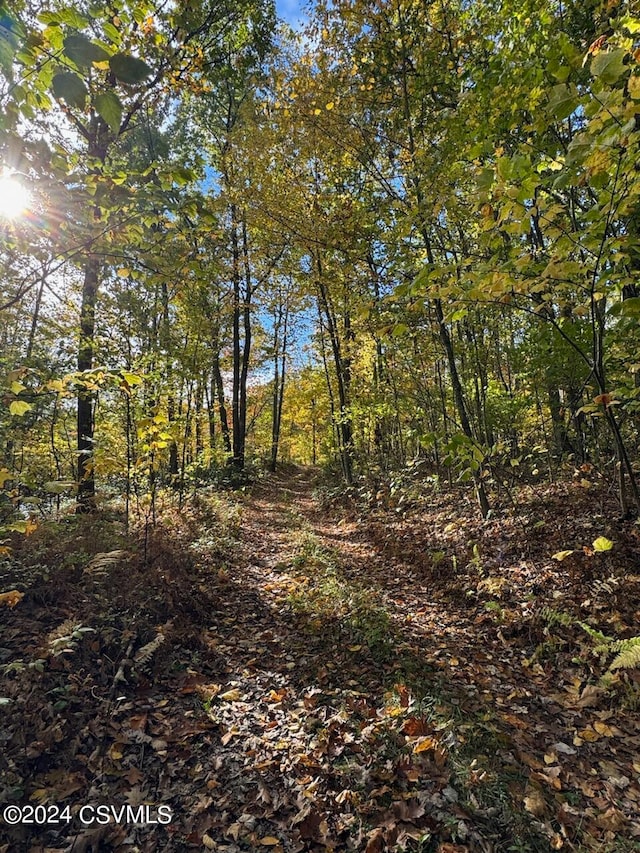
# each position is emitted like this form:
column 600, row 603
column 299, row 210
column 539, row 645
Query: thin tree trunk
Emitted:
column 222, row 409
column 86, row 399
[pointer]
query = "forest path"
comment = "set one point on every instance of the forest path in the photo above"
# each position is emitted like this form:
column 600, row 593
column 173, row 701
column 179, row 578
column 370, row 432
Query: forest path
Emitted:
column 328, row 678
column 413, row 703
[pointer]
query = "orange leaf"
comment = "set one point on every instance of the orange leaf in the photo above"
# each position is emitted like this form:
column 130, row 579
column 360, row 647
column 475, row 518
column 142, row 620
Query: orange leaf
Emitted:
column 415, row 726
column 603, row 399
column 11, row 598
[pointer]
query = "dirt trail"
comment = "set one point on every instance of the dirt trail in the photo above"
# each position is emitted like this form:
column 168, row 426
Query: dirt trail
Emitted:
column 325, row 683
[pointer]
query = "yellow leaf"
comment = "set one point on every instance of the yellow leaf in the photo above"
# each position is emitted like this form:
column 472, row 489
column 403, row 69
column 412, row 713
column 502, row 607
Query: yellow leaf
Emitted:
column 269, row 841
column 330, row 105
column 20, row 407
column 589, row 735
column 561, row 555
column 115, row 752
column 231, row 695
column 603, row 729
column 601, row 544
column 123, row 272
column 424, row 744
column 550, row 758
column 11, row 598
column 39, row 794
column 4, row 476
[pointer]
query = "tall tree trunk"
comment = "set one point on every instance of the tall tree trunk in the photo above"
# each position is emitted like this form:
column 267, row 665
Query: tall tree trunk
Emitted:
column 86, row 399
column 344, row 425
column 279, row 369
column 222, row 409
column 238, row 444
column 458, row 397
column 86, row 498
column 171, row 402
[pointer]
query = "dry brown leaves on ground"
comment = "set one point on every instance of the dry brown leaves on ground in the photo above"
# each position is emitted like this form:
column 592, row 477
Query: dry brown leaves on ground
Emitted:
column 287, row 679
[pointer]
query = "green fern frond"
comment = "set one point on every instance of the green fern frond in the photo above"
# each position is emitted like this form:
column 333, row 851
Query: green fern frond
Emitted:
column 604, row 642
column 556, row 617
column 628, row 654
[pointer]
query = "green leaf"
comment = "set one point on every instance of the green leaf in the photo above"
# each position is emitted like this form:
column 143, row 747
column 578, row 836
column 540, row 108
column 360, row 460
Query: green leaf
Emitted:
column 109, row 108
column 630, row 307
column 129, row 69
column 609, row 66
column 112, row 33
column 84, row 52
column 562, row 101
column 73, row 18
column 20, row 407
column 601, row 544
column 10, row 36
column 70, row 88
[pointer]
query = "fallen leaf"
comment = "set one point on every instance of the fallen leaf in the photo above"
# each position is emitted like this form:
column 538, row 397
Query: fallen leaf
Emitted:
column 425, row 744
column 535, row 803
column 11, row 598
column 561, row 555
column 376, row 842
column 231, row 695
column 589, row 735
column 415, row 726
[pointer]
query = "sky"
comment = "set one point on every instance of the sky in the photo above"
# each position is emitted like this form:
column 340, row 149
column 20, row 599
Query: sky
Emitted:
column 291, row 11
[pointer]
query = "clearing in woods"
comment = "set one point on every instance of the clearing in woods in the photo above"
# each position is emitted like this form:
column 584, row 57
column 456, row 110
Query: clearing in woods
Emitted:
column 291, row 674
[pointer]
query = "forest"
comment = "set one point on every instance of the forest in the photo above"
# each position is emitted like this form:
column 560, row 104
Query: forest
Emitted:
column 320, row 426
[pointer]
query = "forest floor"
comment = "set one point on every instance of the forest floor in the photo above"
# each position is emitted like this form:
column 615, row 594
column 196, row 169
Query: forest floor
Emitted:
column 289, row 674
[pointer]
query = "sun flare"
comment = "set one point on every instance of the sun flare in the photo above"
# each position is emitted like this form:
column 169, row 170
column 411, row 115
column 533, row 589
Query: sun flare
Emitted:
column 14, row 197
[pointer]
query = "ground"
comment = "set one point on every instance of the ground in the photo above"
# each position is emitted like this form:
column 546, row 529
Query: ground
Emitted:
column 283, row 668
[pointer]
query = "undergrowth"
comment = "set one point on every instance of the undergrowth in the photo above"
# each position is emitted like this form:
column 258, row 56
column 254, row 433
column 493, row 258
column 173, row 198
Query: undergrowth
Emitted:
column 330, row 603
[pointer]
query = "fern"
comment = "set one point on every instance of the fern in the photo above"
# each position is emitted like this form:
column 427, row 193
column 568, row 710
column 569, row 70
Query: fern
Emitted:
column 101, row 563
column 556, row 617
column 627, row 651
column 628, row 656
column 144, row 654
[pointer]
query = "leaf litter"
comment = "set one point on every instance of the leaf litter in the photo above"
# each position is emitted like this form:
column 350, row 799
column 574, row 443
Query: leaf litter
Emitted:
column 288, row 677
